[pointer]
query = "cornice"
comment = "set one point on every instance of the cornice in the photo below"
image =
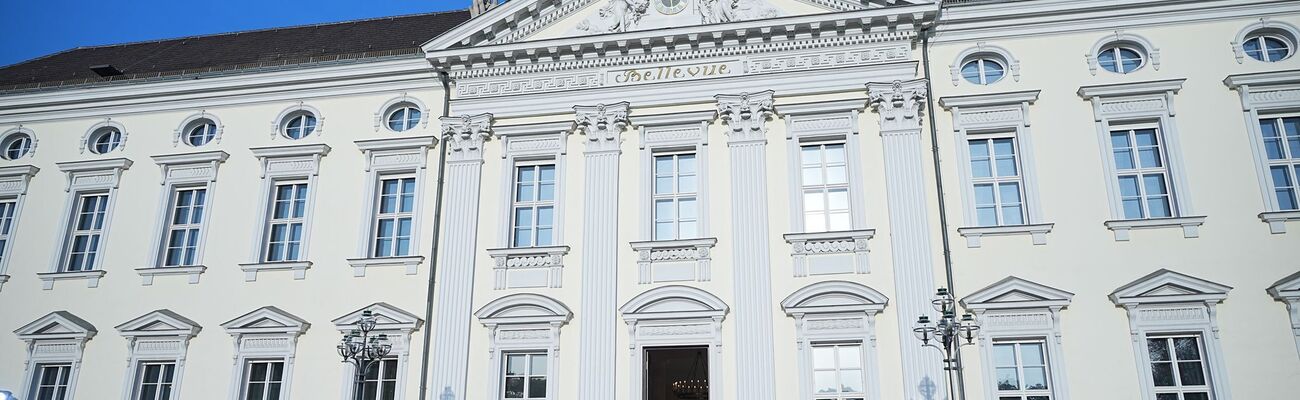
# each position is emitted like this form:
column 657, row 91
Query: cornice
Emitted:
column 1131, row 89
column 541, row 128
column 291, row 151
column 19, row 170
column 1287, row 288
column 822, row 107
column 191, row 158
column 992, row 99
column 1263, row 79
column 94, row 165
column 398, row 143
column 677, row 118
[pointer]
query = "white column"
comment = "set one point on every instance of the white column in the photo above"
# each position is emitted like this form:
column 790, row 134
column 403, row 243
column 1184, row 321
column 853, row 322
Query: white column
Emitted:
column 455, row 283
column 899, row 105
column 603, row 125
column 746, row 116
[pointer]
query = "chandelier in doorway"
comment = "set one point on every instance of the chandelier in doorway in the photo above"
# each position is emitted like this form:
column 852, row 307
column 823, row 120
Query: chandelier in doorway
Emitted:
column 697, row 386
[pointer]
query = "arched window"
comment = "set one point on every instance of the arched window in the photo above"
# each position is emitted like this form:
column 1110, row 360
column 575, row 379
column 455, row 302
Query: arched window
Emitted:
column 1120, row 57
column 299, row 125
column 403, row 117
column 1266, row 41
column 105, row 140
column 200, row 132
column 16, row 145
column 984, row 64
column 983, row 70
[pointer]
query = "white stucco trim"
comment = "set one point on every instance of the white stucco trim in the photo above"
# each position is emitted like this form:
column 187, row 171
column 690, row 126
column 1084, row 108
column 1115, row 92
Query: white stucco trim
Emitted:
column 836, row 311
column 1287, row 290
column 533, row 143
column 1286, row 30
column 668, row 133
column 1169, row 302
column 381, row 115
column 196, row 170
column 391, row 158
column 281, row 119
column 160, row 335
column 1150, row 53
column 983, row 49
column 675, row 316
column 281, row 163
column 528, row 267
column 31, row 151
column 399, row 325
column 523, row 322
column 267, row 333
column 1016, row 309
column 95, row 176
column 13, row 186
column 106, row 123
column 57, row 338
column 178, row 136
column 1266, row 94
column 674, row 260
column 834, row 121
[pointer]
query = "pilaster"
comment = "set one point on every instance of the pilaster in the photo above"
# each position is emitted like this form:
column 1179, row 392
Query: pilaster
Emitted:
column 603, row 126
column 899, row 105
column 746, row 116
column 465, row 136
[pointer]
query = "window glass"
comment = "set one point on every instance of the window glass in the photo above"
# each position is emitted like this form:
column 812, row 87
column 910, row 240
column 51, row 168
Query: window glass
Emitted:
column 285, row 226
column 16, row 146
column 1281, row 138
column 825, row 188
column 299, row 125
column 1266, row 47
column 1142, row 175
column 533, row 215
column 52, row 382
column 85, row 236
column 1121, row 59
column 184, row 229
column 1021, row 372
column 676, row 213
column 983, row 71
column 395, row 217
column 380, row 381
column 837, row 371
column 105, row 140
column 1178, row 367
column 525, row 376
column 7, row 209
column 201, row 133
column 263, row 380
column 155, row 382
column 403, row 118
column 998, row 186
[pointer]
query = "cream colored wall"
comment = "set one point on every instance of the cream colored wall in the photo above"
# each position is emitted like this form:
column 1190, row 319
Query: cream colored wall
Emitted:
column 1081, row 256
column 329, row 290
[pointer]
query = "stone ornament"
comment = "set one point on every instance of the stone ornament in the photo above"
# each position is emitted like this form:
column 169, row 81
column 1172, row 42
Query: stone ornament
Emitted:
column 466, row 134
column 630, row 15
column 602, row 124
column 898, row 103
column 746, row 114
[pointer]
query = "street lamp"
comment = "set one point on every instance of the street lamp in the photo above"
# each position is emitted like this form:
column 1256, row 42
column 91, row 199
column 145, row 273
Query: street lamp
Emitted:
column 362, row 350
column 947, row 335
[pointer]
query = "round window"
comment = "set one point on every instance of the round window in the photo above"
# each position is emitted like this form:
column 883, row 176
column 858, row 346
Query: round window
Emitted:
column 1121, row 59
column 983, row 71
column 1267, row 47
column 298, row 126
column 105, row 140
column 403, row 118
column 16, row 146
column 200, row 133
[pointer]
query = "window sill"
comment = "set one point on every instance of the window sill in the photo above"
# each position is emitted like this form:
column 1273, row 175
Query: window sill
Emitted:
column 528, row 267
column 1276, row 220
column 91, row 278
column 823, row 253
column 148, row 274
column 359, row 265
column 1038, row 232
column 674, row 260
column 299, row 269
column 3, row 279
column 1191, row 226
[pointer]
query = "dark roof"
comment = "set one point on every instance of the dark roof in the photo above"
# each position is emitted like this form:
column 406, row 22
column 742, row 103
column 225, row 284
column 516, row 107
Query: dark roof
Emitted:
column 269, row 48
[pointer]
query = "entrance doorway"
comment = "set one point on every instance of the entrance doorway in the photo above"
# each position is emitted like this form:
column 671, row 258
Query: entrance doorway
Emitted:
column 677, row 373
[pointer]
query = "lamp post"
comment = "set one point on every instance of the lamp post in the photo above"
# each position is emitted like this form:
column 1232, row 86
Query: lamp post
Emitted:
column 947, row 336
column 362, row 350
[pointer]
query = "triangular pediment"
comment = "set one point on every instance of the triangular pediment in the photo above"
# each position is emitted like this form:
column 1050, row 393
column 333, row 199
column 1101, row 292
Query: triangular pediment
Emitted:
column 387, row 317
column 57, row 325
column 1286, row 288
column 1015, row 292
column 266, row 320
column 160, row 323
column 528, row 20
column 1165, row 286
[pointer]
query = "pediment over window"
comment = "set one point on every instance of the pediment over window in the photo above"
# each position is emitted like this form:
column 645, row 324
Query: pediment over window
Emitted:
column 160, row 323
column 1286, row 289
column 267, row 319
column 1165, row 286
column 1014, row 292
column 524, row 308
column 833, row 297
column 387, row 317
column 57, row 325
column 674, row 302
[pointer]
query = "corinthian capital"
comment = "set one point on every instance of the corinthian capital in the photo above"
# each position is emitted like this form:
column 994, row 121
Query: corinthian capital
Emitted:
column 899, row 103
column 465, row 135
column 602, row 124
column 746, row 114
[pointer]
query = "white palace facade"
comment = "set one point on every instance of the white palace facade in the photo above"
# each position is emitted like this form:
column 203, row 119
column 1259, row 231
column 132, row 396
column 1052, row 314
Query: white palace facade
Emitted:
column 601, row 199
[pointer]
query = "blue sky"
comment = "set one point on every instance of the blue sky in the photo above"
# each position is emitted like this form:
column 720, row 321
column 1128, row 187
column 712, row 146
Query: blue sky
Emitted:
column 33, row 28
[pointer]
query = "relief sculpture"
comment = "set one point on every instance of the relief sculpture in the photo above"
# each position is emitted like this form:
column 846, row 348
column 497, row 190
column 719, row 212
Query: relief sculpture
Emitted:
column 630, row 15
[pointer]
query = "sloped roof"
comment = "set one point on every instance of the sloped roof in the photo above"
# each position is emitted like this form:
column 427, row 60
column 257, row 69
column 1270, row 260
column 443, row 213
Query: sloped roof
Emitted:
column 269, row 48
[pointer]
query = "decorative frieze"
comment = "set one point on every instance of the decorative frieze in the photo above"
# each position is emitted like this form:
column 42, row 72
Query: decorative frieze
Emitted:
column 828, row 59
column 674, row 260
column 824, row 253
column 528, row 267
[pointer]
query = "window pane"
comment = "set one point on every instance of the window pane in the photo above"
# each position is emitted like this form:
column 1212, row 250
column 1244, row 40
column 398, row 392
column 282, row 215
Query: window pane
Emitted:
column 686, row 184
column 971, row 71
column 1284, row 187
column 546, row 191
column 1150, row 157
column 1004, row 355
column 664, row 210
column 663, row 185
column 1162, row 374
column 1007, row 379
column 1196, row 396
column 823, row 357
column 1035, row 378
column 515, row 364
column 850, row 357
column 1158, row 349
column 811, row 155
column 525, row 192
column 687, row 209
column 1167, row 396
column 851, row 381
column 812, row 175
column 1191, row 374
column 1107, row 60
column 523, row 237
column 837, row 199
column 1031, row 354
column 825, row 382
column 987, row 216
column 814, row 201
column 686, row 164
column 1186, row 349
column 537, row 387
column 663, row 165
column 514, row 388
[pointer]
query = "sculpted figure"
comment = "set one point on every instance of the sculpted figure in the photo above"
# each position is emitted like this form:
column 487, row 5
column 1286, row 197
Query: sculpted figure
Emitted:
column 617, row 16
column 719, row 11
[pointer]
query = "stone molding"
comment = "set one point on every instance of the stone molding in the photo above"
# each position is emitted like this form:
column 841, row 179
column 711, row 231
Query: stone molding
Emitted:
column 663, row 260
column 746, row 115
column 603, row 125
column 816, row 253
column 465, row 136
column 899, row 104
column 528, row 267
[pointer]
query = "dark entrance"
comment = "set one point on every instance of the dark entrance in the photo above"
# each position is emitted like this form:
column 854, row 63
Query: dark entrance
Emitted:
column 677, row 373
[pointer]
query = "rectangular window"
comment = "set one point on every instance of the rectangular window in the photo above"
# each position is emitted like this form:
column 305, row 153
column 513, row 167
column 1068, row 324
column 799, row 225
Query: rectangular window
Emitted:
column 1142, row 174
column 837, row 372
column 52, row 382
column 262, row 380
column 380, row 381
column 155, row 382
column 525, row 376
column 825, row 187
column 184, row 226
column 7, row 207
column 1282, row 146
column 284, row 228
column 676, row 197
column 1178, row 368
column 533, row 210
column 394, row 217
column 1021, row 370
column 999, row 188
column 86, row 234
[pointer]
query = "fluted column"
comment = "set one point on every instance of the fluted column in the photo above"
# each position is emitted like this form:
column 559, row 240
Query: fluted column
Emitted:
column 899, row 105
column 455, row 283
column 603, row 125
column 746, row 117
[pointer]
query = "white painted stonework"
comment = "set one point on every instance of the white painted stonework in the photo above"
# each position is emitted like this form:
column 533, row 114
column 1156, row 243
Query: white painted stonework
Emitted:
column 598, row 88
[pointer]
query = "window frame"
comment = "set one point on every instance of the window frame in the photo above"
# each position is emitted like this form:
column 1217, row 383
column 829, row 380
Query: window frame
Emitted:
column 532, row 144
column 812, row 123
column 825, row 188
column 1172, row 195
column 279, row 125
column 181, row 172
column 1286, row 32
column 1292, row 163
column 1116, row 50
column 62, row 380
column 996, row 180
column 17, row 135
column 96, row 233
column 295, row 164
column 160, row 336
column 674, row 134
column 397, row 215
column 246, row 379
column 399, row 325
column 836, row 312
column 407, row 123
column 1023, row 393
column 998, row 54
column 142, row 369
column 276, row 333
column 1149, row 53
column 838, row 369
column 209, row 133
column 537, row 164
column 58, row 338
column 96, row 177
column 390, row 158
column 300, row 193
column 1179, row 389
column 982, row 70
column 385, row 110
column 191, row 228
column 675, row 195
column 13, row 188
column 1260, row 99
column 513, row 331
column 181, row 134
column 528, row 376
